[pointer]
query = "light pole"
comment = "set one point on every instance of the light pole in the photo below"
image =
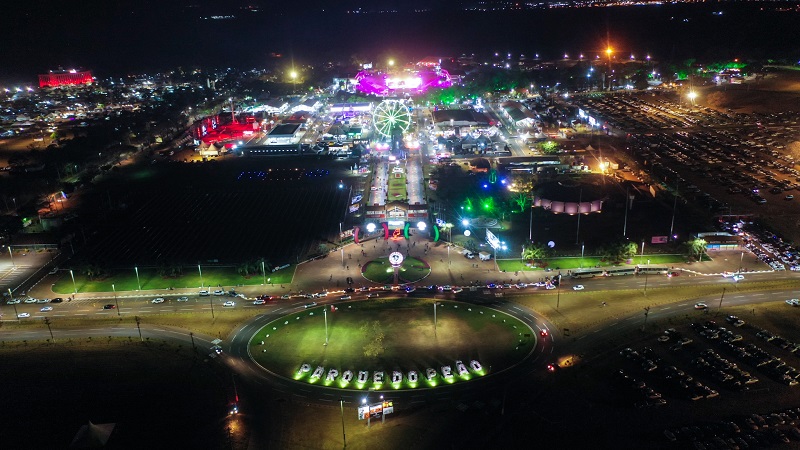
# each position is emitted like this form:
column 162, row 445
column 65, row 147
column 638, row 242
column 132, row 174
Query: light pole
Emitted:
column 645, row 278
column 558, row 294
column 530, row 226
column 720, row 299
column 116, row 303
column 200, row 271
column 341, row 408
column 608, row 70
column 11, row 255
column 293, row 75
column 741, row 261
column 583, row 244
column 138, row 327
column 646, row 312
column 263, row 272
column 641, row 257
column 47, row 322
column 578, row 233
column 434, row 319
column 674, row 209
column 74, row 287
column 325, row 313
column 138, row 283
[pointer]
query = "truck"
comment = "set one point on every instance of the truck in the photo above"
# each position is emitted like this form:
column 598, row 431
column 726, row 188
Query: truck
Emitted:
column 484, row 256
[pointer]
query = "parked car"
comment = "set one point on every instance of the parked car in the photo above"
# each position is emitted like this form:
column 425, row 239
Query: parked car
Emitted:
column 204, row 293
column 219, row 292
column 57, row 300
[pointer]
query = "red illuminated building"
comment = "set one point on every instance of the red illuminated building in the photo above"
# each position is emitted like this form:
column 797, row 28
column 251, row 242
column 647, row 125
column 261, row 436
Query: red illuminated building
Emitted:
column 64, row 78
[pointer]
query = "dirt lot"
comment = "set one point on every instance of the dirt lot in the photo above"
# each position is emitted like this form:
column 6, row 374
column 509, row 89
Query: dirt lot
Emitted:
column 777, row 92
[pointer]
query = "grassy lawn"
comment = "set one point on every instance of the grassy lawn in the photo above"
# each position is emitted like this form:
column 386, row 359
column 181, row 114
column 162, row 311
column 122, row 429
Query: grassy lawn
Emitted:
column 513, row 265
column 150, row 279
column 397, row 188
column 380, row 271
column 410, row 342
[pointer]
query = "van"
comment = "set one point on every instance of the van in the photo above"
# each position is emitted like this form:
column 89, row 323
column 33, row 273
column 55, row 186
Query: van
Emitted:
column 485, row 256
column 469, row 254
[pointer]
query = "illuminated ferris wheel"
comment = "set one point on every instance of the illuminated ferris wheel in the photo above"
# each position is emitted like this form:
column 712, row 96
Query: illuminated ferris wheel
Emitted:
column 391, row 115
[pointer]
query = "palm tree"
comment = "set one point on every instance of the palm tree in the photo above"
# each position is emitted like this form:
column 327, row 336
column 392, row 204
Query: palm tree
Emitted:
column 695, row 247
column 534, row 251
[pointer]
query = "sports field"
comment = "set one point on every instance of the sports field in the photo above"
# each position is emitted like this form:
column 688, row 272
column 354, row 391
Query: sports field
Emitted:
column 463, row 332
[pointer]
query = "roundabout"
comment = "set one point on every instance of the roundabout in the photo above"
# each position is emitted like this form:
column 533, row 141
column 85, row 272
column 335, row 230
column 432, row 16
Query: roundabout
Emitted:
column 391, row 344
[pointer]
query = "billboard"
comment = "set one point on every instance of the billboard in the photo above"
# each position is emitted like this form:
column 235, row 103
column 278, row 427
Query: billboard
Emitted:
column 659, row 239
column 375, row 410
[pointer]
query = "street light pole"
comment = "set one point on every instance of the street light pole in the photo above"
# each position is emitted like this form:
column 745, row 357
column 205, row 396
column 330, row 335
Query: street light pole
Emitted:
column 741, row 261
column 558, row 294
column 641, row 257
column 201, row 276
column 47, row 322
column 11, row 256
column 720, row 299
column 341, row 408
column 434, row 319
column 138, row 327
column 74, row 287
column 138, row 283
column 583, row 244
column 325, row 313
column 263, row 272
column 116, row 303
column 646, row 313
column 578, row 233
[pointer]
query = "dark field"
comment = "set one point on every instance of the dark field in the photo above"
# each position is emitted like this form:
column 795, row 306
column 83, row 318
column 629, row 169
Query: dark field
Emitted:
column 157, row 395
column 227, row 211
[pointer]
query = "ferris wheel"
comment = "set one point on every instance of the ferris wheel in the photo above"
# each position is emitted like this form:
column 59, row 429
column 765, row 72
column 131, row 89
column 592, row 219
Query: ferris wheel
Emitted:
column 390, row 115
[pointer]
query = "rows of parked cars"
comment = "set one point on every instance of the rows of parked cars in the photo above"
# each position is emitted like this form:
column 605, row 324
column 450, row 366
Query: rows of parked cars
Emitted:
column 768, row 246
column 740, row 432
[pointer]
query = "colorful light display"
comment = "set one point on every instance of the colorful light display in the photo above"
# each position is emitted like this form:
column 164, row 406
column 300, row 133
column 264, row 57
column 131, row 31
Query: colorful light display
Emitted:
column 379, row 83
column 65, row 78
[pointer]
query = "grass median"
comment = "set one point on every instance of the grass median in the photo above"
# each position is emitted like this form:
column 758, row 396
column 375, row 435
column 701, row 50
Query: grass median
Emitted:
column 569, row 263
column 150, row 278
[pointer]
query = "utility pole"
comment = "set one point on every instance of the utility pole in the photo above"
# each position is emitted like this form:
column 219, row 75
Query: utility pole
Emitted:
column 720, row 299
column 138, row 327
column 646, row 313
column 325, row 313
column 191, row 336
column 116, row 303
column 578, row 233
column 344, row 436
column 47, row 322
column 434, row 319
column 558, row 294
column 211, row 302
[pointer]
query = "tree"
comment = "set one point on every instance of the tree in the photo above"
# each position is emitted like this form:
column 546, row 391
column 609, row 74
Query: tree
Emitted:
column 471, row 245
column 695, row 247
column 535, row 251
column 549, row 147
column 522, row 200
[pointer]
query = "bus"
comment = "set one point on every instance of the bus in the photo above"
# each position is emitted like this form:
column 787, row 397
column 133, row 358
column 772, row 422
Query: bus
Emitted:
column 587, row 273
column 651, row 270
column 620, row 271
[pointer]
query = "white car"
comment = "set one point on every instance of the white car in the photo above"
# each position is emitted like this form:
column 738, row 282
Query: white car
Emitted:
column 793, row 302
column 46, row 308
column 738, row 277
column 23, row 315
column 578, row 287
column 229, row 303
column 219, row 292
column 43, row 300
column 259, row 302
column 29, row 300
column 157, row 300
column 456, row 290
column 183, row 299
column 204, row 293
column 446, row 288
column 700, row 306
